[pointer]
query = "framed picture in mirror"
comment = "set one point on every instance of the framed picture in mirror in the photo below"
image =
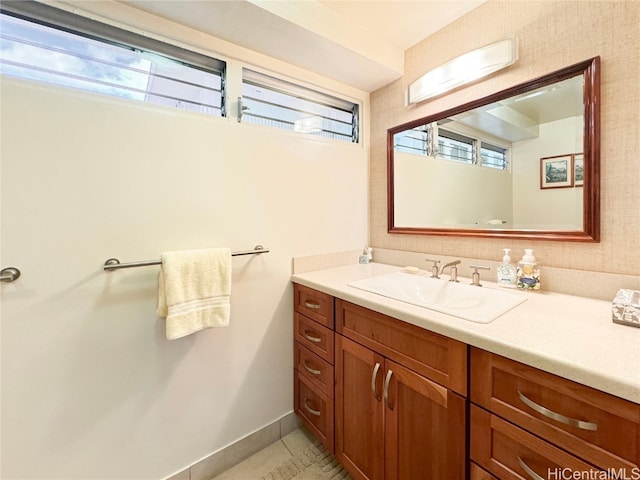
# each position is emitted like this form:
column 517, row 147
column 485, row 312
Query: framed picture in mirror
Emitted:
column 578, row 169
column 556, row 172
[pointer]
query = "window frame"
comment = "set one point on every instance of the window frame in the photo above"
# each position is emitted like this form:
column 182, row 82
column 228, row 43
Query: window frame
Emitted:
column 74, row 24
column 477, row 142
column 304, row 93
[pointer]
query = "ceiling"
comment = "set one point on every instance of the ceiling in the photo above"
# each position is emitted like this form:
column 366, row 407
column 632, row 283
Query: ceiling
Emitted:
column 358, row 42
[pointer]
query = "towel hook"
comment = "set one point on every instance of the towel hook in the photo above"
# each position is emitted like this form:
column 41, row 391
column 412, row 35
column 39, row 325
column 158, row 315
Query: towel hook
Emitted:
column 9, row 274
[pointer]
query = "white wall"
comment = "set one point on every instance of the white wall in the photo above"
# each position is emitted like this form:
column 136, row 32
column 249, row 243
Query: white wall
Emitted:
column 538, row 208
column 91, row 388
column 463, row 195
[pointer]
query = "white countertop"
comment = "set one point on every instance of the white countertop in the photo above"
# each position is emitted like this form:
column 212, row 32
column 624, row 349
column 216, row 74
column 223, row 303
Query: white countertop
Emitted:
column 569, row 336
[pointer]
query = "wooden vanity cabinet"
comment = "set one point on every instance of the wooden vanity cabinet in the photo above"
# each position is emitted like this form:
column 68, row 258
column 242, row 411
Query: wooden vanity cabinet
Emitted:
column 390, row 399
column 554, row 422
column 313, row 365
column 393, row 420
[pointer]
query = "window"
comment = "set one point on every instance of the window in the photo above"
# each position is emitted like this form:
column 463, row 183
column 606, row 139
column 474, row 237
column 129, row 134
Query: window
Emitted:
column 42, row 43
column 453, row 146
column 279, row 104
column 493, row 156
column 417, row 140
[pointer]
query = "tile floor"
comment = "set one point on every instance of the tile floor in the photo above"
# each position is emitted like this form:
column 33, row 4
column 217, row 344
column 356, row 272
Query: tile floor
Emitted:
column 261, row 463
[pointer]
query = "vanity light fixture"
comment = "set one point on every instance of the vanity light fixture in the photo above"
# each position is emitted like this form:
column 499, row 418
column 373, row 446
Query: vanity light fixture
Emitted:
column 464, row 69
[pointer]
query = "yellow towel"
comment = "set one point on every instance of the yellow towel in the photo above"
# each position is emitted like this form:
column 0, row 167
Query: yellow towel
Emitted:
column 194, row 288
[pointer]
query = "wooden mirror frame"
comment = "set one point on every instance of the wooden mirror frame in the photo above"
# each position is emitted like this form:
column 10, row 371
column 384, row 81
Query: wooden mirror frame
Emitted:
column 590, row 232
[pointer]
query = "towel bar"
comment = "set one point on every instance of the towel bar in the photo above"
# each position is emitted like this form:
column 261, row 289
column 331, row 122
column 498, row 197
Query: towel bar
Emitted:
column 114, row 263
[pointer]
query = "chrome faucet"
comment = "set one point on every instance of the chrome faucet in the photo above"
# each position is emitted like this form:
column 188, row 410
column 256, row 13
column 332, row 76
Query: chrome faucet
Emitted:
column 454, row 270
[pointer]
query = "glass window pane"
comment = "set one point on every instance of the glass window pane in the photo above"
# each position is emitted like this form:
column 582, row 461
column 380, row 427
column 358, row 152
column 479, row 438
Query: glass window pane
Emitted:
column 276, row 103
column 42, row 53
column 493, row 156
column 456, row 147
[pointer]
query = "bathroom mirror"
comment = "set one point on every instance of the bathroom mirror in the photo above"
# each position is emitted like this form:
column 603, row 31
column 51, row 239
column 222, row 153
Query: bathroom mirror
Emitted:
column 521, row 163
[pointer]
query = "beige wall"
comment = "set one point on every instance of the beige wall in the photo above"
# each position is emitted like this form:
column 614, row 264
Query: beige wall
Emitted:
column 551, row 35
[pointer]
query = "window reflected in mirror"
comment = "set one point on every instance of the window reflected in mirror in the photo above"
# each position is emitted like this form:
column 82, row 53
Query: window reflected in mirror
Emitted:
column 475, row 170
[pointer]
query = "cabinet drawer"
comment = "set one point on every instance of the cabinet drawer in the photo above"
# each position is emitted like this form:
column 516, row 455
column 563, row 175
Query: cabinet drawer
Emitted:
column 478, row 473
column 318, row 371
column 313, row 304
column 600, row 428
column 315, row 409
column 434, row 356
column 314, row 336
column 509, row 452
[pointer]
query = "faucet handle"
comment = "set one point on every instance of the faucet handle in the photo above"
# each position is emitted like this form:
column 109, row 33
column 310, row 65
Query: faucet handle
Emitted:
column 453, row 276
column 475, row 276
column 434, row 268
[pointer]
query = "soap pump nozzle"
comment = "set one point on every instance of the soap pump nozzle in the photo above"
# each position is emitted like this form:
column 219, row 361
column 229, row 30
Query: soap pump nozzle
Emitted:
column 506, row 258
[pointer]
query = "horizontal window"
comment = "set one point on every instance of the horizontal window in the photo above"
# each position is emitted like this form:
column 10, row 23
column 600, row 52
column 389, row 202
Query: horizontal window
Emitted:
column 417, row 140
column 46, row 44
column 279, row 104
column 494, row 156
column 453, row 146
column 450, row 145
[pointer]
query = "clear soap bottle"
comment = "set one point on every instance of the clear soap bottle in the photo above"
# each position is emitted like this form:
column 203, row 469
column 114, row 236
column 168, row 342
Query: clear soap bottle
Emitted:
column 507, row 274
column 528, row 271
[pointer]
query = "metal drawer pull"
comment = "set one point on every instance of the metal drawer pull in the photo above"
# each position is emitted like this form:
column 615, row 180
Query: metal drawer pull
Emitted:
column 310, row 370
column 317, row 413
column 386, row 389
column 311, row 338
column 556, row 416
column 527, row 469
column 314, row 306
column 374, row 375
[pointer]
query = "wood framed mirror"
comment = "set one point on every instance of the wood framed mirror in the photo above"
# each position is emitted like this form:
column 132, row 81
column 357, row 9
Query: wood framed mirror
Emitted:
column 520, row 163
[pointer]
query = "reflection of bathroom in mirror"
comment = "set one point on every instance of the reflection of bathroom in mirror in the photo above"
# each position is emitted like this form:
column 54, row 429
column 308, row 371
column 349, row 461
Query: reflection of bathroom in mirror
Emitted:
column 521, row 163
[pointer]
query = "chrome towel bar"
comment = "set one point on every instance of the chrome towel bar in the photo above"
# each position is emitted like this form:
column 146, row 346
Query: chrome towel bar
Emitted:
column 114, row 263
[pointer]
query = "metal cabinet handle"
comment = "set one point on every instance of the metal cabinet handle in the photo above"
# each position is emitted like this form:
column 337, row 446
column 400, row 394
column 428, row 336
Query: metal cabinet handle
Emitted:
column 557, row 416
column 374, row 375
column 310, row 337
column 309, row 369
column 314, row 306
column 9, row 274
column 386, row 389
column 317, row 413
column 528, row 469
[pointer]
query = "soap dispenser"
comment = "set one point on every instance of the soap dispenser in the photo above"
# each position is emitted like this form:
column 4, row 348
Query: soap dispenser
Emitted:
column 528, row 271
column 367, row 255
column 507, row 274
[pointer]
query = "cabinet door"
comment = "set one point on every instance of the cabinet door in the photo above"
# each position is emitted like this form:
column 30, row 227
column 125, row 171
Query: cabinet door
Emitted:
column 424, row 427
column 359, row 441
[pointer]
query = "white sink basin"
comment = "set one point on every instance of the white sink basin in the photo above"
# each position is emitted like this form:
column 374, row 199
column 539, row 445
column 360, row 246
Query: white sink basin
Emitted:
column 476, row 304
